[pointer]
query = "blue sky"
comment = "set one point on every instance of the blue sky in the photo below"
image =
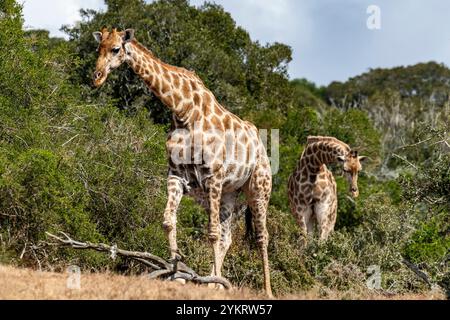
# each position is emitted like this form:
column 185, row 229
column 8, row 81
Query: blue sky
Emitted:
column 329, row 38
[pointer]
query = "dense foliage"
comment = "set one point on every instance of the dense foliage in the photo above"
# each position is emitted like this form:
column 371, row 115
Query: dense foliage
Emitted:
column 92, row 162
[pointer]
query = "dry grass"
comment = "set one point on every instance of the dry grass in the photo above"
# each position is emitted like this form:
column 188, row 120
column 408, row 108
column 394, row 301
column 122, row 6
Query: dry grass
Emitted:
column 29, row 284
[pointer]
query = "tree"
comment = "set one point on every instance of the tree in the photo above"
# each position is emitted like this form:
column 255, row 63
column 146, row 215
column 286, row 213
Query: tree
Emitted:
column 244, row 75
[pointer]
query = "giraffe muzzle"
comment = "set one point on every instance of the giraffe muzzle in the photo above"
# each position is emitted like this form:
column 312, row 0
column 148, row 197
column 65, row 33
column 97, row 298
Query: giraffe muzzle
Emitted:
column 97, row 75
column 98, row 78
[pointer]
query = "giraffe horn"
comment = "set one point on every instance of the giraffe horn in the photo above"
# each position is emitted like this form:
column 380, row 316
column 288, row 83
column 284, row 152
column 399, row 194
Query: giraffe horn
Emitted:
column 104, row 29
column 361, row 149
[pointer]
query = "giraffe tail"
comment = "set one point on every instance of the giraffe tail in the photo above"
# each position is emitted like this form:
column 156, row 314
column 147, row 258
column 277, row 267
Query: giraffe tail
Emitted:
column 249, row 229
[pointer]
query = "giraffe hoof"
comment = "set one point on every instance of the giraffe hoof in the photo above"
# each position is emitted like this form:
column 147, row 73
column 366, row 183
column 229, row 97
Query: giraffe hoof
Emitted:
column 176, row 256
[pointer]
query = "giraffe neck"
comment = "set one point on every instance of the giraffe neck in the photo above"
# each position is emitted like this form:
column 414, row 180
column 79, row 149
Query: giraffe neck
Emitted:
column 179, row 89
column 318, row 153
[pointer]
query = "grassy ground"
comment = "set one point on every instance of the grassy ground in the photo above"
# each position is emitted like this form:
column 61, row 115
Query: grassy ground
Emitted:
column 18, row 283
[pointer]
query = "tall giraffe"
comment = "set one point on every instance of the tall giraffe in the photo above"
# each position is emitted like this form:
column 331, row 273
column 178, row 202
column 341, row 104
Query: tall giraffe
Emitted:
column 213, row 155
column 312, row 188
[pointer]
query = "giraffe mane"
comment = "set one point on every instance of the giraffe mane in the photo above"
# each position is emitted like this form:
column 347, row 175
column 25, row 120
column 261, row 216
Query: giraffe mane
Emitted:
column 314, row 139
column 168, row 66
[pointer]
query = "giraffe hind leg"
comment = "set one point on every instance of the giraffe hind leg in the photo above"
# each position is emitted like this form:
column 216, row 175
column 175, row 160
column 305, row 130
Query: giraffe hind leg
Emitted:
column 258, row 195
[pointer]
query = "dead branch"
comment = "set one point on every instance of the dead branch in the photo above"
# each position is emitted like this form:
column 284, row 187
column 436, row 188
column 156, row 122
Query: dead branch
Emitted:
column 417, row 271
column 405, row 160
column 161, row 268
column 414, row 144
column 443, row 141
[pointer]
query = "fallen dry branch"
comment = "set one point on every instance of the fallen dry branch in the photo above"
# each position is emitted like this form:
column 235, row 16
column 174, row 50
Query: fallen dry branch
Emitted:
column 418, row 272
column 160, row 268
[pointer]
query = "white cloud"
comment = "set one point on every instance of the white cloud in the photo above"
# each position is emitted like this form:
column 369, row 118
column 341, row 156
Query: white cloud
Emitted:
column 51, row 15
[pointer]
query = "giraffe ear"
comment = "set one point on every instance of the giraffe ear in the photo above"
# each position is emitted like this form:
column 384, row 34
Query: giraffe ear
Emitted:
column 361, row 159
column 97, row 36
column 341, row 158
column 128, row 35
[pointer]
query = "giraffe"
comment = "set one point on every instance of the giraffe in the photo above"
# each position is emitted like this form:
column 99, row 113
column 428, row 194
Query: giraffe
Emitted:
column 214, row 156
column 312, row 188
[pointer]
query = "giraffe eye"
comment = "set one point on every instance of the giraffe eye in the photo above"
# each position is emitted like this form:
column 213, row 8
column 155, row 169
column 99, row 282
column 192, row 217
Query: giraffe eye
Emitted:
column 115, row 50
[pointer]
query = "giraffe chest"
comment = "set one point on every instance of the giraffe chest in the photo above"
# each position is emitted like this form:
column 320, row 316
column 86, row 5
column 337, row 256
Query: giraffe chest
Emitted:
column 313, row 187
column 325, row 186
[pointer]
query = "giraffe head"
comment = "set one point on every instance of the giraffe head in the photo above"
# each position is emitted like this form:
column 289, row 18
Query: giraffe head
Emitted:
column 352, row 166
column 111, row 52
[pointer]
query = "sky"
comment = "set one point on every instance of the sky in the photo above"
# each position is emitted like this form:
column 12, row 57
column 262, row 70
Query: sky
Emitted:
column 331, row 40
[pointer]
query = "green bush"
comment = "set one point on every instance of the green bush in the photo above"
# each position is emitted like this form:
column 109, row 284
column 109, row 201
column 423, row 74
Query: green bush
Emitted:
column 343, row 261
column 431, row 242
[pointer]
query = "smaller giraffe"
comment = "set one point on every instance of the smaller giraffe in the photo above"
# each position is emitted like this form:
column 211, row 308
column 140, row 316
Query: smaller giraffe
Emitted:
column 312, row 188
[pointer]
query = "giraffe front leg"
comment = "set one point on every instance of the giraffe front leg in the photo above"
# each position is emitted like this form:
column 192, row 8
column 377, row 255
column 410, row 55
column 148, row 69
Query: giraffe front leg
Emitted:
column 324, row 211
column 331, row 220
column 215, row 193
column 175, row 193
column 302, row 219
column 227, row 208
column 303, row 215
